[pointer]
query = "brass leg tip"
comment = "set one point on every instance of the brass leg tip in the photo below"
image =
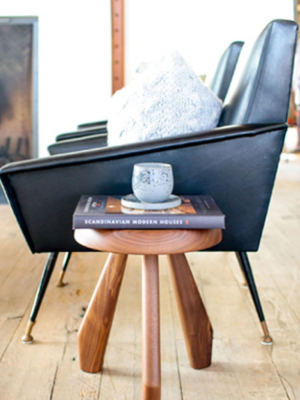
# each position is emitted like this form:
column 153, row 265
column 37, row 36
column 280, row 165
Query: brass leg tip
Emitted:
column 266, row 340
column 27, row 339
column 245, row 286
column 60, row 282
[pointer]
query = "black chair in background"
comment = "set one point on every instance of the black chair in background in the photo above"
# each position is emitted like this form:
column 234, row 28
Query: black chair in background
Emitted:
column 235, row 163
column 94, row 134
column 222, row 77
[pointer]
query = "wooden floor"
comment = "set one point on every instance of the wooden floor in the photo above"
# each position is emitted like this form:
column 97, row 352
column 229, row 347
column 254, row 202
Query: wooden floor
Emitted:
column 242, row 368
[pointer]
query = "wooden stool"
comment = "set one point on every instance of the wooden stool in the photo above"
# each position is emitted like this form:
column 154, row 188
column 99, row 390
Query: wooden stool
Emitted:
column 94, row 331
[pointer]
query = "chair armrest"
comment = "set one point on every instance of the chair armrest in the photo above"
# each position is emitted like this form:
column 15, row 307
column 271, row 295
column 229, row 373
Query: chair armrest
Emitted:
column 90, row 125
column 78, row 144
column 236, row 165
column 80, row 134
column 139, row 148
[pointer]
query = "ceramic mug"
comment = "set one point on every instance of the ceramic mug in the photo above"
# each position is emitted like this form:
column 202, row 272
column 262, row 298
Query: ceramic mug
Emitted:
column 152, row 182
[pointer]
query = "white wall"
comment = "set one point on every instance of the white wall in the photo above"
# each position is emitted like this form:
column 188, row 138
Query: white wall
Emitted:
column 74, row 62
column 199, row 29
column 75, row 41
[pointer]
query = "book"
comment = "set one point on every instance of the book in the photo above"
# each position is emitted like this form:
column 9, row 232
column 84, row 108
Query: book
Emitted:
column 107, row 212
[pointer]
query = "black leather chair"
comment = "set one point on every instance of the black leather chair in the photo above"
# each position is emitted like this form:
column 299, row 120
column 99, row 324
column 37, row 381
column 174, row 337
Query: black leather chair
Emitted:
column 235, row 163
column 94, row 134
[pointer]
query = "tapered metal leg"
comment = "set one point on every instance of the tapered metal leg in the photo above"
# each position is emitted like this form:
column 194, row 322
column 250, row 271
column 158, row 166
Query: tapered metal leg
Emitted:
column 246, row 268
column 245, row 284
column 60, row 282
column 27, row 338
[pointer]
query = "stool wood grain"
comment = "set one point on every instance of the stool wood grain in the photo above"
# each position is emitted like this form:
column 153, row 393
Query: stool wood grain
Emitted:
column 194, row 319
column 163, row 241
column 95, row 328
column 151, row 374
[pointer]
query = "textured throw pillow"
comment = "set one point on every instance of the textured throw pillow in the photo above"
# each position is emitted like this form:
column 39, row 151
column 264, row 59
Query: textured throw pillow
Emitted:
column 167, row 99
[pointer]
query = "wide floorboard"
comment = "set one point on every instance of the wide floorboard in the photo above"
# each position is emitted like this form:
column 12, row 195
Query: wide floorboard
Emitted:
column 242, row 368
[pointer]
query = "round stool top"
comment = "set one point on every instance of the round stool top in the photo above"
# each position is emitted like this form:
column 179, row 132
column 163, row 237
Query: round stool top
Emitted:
column 164, row 241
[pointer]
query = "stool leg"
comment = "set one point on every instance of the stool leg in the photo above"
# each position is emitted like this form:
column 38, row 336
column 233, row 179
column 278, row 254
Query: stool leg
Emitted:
column 151, row 375
column 194, row 319
column 95, row 328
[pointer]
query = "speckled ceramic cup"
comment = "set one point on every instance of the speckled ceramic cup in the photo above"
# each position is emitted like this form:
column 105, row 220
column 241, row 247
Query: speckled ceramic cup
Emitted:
column 152, row 182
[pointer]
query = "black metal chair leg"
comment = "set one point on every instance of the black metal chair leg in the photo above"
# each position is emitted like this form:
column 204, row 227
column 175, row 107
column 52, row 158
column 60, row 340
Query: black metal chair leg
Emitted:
column 27, row 338
column 245, row 284
column 247, row 271
column 60, row 282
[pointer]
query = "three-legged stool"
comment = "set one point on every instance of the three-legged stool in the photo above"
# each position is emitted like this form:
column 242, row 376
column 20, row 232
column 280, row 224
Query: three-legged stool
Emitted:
column 94, row 331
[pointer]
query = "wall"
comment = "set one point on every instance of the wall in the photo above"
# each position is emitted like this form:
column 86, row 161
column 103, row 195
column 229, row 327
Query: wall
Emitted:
column 74, row 62
column 199, row 30
column 75, row 40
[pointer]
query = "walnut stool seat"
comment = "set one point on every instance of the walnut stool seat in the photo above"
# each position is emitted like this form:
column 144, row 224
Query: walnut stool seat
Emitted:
column 94, row 331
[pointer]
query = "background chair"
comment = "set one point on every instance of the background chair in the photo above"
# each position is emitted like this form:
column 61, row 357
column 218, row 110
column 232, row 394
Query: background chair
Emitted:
column 222, row 77
column 235, row 163
column 94, row 134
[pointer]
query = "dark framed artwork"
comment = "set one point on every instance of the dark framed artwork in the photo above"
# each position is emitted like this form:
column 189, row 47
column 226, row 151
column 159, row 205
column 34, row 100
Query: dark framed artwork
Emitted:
column 18, row 88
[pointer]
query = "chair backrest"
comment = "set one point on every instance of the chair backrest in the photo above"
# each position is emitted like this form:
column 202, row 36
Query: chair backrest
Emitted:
column 222, row 77
column 261, row 93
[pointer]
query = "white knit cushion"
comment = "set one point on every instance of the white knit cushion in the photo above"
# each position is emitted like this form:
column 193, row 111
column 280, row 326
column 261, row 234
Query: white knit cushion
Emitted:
column 167, row 99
